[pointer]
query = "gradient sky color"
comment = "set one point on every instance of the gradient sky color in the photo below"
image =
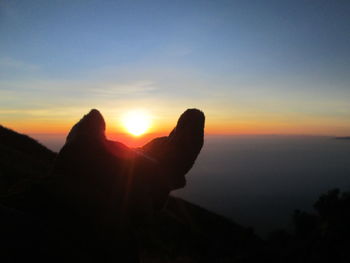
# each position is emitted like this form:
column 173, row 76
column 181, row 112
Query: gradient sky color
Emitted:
column 254, row 67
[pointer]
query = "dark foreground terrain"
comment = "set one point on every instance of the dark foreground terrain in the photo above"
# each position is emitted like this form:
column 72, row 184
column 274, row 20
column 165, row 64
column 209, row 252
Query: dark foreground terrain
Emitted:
column 182, row 232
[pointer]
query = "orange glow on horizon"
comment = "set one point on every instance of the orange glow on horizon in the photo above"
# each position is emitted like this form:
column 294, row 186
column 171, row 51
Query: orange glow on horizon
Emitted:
column 235, row 128
column 161, row 125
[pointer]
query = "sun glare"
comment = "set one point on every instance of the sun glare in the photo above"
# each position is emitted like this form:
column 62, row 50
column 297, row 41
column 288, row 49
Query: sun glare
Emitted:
column 136, row 122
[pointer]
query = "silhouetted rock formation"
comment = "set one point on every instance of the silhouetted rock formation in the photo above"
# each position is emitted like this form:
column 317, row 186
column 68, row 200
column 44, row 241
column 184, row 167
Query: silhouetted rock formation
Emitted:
column 182, row 232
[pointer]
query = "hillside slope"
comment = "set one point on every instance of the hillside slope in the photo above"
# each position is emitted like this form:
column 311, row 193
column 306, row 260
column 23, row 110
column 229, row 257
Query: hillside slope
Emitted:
column 21, row 158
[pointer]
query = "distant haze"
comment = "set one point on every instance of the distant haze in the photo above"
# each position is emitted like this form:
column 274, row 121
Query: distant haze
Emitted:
column 259, row 181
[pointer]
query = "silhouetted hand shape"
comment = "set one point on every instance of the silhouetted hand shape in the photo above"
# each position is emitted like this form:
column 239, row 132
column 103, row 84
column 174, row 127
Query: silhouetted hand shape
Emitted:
column 109, row 183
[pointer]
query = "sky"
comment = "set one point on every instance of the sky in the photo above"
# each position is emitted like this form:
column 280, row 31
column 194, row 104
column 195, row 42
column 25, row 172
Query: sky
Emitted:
column 253, row 67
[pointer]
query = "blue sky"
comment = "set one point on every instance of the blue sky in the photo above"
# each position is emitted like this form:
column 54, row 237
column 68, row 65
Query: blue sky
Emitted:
column 283, row 63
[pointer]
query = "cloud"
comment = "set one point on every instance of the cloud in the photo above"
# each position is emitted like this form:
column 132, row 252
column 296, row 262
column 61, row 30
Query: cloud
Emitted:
column 8, row 63
column 47, row 94
column 132, row 88
column 79, row 87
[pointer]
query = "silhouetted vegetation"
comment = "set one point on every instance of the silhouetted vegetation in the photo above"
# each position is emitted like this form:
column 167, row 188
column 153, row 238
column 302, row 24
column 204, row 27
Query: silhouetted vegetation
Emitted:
column 323, row 236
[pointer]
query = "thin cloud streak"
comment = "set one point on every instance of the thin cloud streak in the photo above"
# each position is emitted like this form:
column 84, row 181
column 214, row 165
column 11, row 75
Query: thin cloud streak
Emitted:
column 8, row 63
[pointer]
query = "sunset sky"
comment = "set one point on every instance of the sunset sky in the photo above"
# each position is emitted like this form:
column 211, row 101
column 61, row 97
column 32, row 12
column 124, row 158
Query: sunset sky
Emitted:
column 253, row 67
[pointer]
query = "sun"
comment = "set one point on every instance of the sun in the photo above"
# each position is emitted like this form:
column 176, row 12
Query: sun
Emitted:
column 136, row 122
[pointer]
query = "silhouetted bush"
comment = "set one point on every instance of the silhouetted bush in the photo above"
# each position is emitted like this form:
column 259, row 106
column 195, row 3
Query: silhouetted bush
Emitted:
column 323, row 236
